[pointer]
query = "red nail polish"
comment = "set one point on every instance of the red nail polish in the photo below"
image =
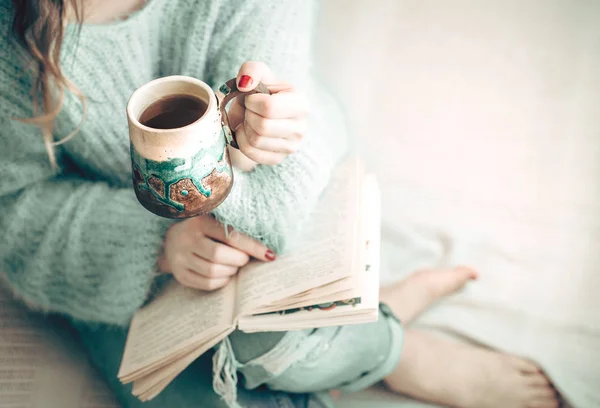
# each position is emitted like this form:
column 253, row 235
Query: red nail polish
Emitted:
column 270, row 255
column 245, row 81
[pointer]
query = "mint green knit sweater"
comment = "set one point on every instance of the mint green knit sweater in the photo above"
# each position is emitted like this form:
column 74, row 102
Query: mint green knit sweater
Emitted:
column 76, row 241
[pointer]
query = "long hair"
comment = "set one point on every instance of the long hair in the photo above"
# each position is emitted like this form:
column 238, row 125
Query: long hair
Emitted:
column 39, row 26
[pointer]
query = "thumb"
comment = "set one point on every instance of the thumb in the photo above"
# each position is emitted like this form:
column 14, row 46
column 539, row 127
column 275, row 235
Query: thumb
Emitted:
column 251, row 73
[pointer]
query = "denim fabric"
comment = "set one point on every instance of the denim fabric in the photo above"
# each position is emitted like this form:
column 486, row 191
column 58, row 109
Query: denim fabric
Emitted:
column 279, row 370
column 348, row 358
column 191, row 389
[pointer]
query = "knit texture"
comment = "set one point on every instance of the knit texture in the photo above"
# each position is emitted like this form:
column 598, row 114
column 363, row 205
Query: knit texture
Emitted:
column 76, row 241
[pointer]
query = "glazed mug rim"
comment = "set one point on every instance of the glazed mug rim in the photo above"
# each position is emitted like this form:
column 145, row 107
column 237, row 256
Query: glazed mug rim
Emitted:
column 148, row 99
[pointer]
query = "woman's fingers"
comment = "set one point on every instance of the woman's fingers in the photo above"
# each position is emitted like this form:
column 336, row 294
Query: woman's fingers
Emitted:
column 267, row 144
column 236, row 112
column 251, row 73
column 252, row 139
column 275, row 128
column 258, row 155
column 274, row 124
column 235, row 241
column 219, row 253
column 193, row 280
column 201, row 255
column 210, row 270
column 288, row 104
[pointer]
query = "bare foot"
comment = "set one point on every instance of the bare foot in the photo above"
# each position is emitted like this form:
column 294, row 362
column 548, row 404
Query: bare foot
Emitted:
column 411, row 296
column 463, row 376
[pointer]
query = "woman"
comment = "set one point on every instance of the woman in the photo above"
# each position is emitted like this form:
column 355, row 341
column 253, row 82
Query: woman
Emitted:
column 75, row 240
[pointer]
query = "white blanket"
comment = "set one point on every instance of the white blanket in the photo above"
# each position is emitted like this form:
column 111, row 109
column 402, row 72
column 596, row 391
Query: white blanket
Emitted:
column 482, row 121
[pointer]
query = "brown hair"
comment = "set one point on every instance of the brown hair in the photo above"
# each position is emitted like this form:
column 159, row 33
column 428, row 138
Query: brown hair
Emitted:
column 39, row 26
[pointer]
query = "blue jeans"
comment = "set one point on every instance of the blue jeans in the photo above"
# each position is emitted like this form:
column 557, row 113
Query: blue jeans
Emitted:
column 277, row 369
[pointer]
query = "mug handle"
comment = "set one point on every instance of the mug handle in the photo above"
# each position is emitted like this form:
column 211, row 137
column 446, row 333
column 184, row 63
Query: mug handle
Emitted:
column 227, row 92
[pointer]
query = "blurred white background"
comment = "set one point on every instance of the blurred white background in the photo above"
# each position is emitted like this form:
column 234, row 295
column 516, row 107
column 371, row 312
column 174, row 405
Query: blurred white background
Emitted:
column 481, row 119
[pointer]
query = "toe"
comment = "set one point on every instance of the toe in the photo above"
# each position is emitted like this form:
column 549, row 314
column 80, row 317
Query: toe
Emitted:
column 543, row 397
column 525, row 366
column 466, row 273
column 537, row 380
column 544, row 403
column 543, row 393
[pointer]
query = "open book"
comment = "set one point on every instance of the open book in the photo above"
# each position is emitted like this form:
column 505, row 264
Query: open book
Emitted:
column 330, row 277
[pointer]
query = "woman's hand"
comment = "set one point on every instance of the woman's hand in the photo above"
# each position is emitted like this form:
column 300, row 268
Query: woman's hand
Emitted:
column 199, row 254
column 268, row 127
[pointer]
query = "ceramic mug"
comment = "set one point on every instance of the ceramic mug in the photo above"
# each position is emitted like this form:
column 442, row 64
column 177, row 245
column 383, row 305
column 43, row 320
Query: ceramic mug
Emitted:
column 184, row 171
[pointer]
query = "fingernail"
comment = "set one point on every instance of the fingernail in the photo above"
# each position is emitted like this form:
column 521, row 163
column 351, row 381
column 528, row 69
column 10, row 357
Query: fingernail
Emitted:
column 245, row 81
column 270, row 255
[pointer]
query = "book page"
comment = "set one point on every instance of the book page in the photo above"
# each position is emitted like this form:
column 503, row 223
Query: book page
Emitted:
column 177, row 321
column 339, row 310
column 326, row 252
column 349, row 287
column 42, row 365
column 151, row 385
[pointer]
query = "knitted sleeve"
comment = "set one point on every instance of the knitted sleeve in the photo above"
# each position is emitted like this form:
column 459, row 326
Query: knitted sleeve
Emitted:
column 63, row 246
column 271, row 203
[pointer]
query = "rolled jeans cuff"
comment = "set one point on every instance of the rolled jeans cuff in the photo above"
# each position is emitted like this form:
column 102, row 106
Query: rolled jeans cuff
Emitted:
column 348, row 358
column 372, row 377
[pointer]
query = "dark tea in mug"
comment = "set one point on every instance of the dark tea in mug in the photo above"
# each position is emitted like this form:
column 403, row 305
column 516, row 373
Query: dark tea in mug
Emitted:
column 173, row 111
